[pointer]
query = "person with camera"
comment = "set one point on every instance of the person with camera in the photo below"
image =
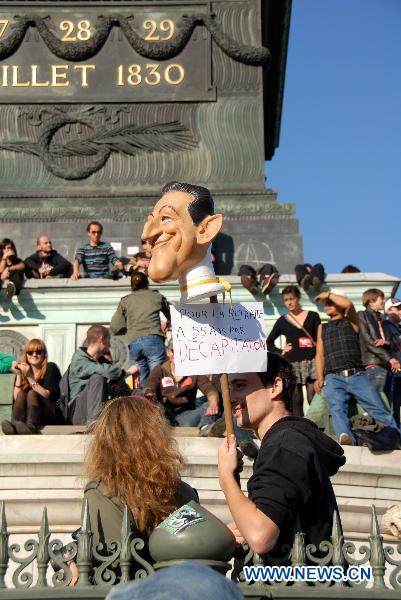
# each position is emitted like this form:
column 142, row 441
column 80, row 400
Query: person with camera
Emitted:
column 36, row 391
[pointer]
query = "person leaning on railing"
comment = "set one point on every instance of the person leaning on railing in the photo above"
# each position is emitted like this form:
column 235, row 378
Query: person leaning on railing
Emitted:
column 133, row 459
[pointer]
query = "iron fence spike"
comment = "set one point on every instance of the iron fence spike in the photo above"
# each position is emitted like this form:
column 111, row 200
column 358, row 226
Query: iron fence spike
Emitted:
column 125, row 555
column 4, row 557
column 85, row 548
column 374, row 524
column 377, row 557
column 44, row 526
column 43, row 556
column 3, row 515
column 85, row 517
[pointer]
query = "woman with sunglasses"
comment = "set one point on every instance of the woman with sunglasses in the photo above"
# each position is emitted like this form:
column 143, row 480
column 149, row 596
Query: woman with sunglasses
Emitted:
column 36, row 391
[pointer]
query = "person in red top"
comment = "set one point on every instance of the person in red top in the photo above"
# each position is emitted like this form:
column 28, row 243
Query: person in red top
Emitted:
column 179, row 394
column 299, row 327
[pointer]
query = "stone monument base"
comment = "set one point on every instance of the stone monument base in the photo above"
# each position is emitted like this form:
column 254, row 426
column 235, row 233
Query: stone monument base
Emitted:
column 256, row 229
column 47, row 470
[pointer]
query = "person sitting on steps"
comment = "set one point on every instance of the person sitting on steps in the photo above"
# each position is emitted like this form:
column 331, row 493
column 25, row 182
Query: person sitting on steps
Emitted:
column 36, row 391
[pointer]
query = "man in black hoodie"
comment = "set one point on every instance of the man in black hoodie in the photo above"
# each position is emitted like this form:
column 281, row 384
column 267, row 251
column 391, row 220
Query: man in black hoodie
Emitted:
column 46, row 262
column 290, row 486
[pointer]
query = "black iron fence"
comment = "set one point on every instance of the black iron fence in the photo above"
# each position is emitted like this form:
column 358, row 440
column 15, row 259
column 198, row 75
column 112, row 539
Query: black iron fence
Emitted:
column 42, row 567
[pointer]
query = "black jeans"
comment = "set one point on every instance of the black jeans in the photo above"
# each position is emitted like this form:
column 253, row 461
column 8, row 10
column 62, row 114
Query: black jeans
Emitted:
column 393, row 391
column 313, row 270
column 90, row 400
column 266, row 269
column 30, row 407
column 17, row 277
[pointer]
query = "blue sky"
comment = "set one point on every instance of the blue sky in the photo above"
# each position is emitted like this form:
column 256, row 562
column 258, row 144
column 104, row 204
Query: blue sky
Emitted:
column 339, row 159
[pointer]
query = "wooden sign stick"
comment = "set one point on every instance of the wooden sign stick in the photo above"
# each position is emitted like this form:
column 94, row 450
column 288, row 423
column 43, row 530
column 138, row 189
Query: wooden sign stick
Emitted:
column 225, row 392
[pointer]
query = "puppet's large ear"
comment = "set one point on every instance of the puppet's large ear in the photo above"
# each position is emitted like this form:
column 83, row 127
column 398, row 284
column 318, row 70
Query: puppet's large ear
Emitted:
column 208, row 229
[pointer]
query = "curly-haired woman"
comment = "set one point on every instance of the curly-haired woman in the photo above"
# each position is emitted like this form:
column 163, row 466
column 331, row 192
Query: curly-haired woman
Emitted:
column 133, row 459
column 36, row 391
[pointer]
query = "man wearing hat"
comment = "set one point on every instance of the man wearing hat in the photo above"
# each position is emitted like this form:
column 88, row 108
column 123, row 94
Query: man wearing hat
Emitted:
column 340, row 368
column 391, row 325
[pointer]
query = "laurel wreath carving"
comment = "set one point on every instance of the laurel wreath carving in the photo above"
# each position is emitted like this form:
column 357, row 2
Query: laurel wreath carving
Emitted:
column 158, row 50
column 128, row 140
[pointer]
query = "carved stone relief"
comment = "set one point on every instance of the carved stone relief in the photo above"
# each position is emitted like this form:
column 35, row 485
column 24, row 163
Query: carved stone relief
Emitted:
column 91, row 140
column 11, row 342
column 161, row 50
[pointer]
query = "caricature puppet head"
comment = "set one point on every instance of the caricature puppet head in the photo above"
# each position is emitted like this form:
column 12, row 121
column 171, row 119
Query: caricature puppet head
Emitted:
column 181, row 229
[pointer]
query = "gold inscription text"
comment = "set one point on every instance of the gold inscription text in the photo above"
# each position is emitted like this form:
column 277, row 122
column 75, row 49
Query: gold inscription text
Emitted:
column 84, row 72
column 56, row 75
column 3, row 26
column 150, row 74
column 39, row 76
column 80, row 31
column 158, row 30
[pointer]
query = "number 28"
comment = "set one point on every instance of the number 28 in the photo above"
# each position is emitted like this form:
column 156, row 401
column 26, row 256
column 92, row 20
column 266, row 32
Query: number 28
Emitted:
column 81, row 33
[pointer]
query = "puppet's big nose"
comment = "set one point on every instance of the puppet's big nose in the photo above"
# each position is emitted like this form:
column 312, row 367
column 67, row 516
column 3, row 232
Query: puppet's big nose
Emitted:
column 151, row 230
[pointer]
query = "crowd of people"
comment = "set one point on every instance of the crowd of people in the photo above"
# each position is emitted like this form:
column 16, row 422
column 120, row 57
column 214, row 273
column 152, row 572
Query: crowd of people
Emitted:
column 354, row 358
column 95, row 259
column 133, row 457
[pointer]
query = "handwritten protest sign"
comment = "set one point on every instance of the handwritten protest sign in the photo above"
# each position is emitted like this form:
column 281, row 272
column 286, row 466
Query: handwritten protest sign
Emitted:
column 218, row 338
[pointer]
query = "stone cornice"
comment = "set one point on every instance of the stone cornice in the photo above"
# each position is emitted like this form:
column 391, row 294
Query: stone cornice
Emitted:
column 89, row 301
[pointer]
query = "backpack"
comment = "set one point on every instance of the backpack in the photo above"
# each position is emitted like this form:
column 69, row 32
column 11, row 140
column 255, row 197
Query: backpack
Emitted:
column 65, row 405
column 376, row 436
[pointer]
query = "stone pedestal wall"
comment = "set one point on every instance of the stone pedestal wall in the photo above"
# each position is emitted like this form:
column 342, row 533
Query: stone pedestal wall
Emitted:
column 60, row 311
column 47, row 471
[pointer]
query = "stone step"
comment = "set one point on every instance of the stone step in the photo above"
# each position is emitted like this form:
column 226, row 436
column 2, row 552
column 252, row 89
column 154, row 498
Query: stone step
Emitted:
column 47, row 470
column 82, row 429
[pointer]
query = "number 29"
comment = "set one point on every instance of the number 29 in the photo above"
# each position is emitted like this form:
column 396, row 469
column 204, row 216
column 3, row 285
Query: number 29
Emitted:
column 154, row 28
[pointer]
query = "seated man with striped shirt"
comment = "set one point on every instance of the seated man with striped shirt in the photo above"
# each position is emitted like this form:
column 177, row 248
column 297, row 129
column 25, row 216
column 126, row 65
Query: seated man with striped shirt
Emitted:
column 95, row 257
